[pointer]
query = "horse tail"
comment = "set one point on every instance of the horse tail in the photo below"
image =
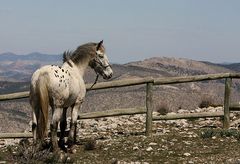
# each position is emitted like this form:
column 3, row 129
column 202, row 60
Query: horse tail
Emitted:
column 42, row 114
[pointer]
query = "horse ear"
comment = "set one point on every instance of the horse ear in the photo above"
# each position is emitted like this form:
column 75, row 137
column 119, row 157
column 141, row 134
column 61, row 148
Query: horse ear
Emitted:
column 99, row 44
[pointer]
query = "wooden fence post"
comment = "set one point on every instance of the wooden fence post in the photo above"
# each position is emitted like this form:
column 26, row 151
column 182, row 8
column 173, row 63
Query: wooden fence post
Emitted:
column 149, row 106
column 226, row 120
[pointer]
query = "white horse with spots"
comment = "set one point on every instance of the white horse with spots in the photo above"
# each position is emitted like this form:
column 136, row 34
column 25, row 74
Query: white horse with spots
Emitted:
column 60, row 88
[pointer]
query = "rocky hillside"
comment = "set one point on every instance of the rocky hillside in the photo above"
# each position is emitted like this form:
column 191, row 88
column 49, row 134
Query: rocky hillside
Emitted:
column 176, row 66
column 122, row 140
column 170, row 97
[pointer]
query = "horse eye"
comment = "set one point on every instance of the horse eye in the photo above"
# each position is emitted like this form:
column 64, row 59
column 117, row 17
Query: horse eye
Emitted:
column 101, row 56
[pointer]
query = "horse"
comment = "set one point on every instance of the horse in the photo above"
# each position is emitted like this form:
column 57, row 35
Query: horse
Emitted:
column 62, row 87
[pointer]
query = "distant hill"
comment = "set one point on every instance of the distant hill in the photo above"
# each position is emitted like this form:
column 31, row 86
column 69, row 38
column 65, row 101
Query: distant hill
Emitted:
column 8, row 56
column 233, row 66
column 180, row 66
column 18, row 68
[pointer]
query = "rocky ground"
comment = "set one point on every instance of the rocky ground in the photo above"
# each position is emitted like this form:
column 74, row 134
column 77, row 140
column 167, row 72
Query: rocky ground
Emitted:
column 122, row 140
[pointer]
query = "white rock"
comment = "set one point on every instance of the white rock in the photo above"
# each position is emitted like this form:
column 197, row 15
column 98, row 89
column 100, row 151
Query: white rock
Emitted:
column 187, row 142
column 182, row 123
column 173, row 140
column 198, row 110
column 155, row 113
column 149, row 148
column 166, row 131
column 186, row 154
column 183, row 111
column 105, row 149
column 152, row 144
column 214, row 137
column 113, row 126
column 144, row 137
column 163, row 140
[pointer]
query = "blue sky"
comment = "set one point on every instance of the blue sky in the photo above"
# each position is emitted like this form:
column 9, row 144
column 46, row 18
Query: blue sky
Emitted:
column 132, row 30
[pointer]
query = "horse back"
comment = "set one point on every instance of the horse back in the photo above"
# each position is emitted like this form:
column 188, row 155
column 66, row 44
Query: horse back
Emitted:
column 64, row 87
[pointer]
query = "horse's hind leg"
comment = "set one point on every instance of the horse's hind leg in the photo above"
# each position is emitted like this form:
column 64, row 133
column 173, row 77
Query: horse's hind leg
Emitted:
column 57, row 113
column 39, row 144
column 63, row 125
column 34, row 125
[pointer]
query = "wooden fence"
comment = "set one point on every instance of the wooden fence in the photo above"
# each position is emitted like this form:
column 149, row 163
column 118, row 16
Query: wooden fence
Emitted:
column 148, row 109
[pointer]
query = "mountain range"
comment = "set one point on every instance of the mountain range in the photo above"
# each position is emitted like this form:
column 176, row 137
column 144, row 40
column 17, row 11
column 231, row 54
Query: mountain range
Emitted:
column 18, row 68
column 9, row 56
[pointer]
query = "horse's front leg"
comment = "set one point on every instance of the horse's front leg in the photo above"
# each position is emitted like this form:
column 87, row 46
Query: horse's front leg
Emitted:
column 73, row 126
column 57, row 113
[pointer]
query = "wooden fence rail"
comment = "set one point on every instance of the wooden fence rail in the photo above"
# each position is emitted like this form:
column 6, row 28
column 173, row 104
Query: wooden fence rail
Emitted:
column 148, row 109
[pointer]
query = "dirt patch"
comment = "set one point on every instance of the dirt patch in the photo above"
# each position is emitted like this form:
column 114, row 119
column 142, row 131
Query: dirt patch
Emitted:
column 175, row 146
column 122, row 140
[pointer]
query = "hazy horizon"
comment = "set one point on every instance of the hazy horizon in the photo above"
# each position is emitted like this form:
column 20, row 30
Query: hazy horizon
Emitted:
column 125, row 62
column 131, row 30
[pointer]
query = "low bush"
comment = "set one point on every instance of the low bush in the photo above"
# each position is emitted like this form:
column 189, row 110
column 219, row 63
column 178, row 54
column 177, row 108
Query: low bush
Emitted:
column 162, row 108
column 209, row 133
column 207, row 102
column 27, row 152
column 90, row 144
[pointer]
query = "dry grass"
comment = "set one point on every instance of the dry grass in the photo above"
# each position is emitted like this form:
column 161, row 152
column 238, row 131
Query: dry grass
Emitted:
column 90, row 144
column 27, row 152
column 162, row 108
column 209, row 133
column 207, row 101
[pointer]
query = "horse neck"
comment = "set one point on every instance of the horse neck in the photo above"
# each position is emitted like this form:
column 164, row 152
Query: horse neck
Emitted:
column 83, row 64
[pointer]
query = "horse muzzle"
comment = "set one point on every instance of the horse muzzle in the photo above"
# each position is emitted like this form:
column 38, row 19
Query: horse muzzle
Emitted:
column 107, row 74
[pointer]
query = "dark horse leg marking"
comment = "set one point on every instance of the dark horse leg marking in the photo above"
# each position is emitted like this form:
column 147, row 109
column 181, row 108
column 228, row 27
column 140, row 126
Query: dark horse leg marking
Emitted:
column 63, row 125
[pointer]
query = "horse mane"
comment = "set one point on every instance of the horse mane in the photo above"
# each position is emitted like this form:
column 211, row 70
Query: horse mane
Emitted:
column 83, row 52
column 66, row 55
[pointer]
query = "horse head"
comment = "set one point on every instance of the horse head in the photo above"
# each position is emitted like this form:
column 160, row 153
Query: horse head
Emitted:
column 100, row 62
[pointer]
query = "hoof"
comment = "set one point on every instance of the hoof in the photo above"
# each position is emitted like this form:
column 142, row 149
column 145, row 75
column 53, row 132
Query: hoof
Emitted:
column 70, row 143
column 61, row 144
column 64, row 149
column 72, row 150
